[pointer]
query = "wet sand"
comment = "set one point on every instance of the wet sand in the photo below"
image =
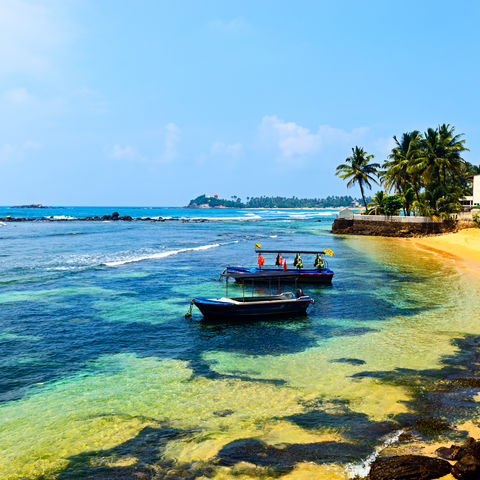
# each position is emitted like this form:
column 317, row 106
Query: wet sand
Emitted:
column 463, row 246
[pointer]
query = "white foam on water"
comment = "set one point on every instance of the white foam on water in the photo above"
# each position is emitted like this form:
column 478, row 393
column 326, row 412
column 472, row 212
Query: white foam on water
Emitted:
column 326, row 214
column 3, row 224
column 245, row 218
column 362, row 469
column 168, row 253
column 62, row 217
column 65, row 268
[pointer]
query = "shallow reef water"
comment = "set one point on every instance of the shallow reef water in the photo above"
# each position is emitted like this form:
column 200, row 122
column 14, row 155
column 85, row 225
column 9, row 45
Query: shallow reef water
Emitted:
column 102, row 377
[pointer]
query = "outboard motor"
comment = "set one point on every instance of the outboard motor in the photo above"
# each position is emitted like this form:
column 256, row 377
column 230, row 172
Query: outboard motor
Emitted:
column 299, row 293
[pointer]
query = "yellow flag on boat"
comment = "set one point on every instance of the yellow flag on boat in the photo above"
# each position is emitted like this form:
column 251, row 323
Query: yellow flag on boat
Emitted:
column 257, row 245
column 328, row 251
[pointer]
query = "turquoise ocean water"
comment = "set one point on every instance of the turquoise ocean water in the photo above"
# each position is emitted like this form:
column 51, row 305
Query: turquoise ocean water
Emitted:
column 101, row 376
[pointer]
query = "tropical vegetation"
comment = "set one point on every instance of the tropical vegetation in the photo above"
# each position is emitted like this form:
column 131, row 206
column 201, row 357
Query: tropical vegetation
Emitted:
column 359, row 170
column 424, row 174
column 274, row 202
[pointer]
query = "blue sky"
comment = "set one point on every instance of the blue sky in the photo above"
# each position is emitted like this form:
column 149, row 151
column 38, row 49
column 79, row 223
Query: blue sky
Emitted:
column 156, row 102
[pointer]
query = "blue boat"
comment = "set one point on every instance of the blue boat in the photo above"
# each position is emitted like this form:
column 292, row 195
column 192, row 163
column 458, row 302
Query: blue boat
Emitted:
column 321, row 274
column 249, row 308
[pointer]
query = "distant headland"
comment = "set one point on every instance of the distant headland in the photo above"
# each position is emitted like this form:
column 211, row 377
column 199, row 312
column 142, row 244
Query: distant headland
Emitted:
column 213, row 201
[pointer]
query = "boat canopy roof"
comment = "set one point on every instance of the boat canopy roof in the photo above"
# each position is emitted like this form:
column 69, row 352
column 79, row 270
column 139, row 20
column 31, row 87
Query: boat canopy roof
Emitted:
column 306, row 252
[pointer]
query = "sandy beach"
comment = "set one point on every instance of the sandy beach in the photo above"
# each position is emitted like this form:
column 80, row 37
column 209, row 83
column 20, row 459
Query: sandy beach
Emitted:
column 463, row 245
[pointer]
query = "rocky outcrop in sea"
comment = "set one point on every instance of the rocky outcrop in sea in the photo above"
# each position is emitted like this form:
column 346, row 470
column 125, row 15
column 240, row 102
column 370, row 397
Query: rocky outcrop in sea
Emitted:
column 462, row 462
column 115, row 216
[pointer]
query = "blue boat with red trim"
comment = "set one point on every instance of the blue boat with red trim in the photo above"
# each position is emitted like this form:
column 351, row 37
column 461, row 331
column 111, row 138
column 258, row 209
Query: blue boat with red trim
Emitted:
column 320, row 274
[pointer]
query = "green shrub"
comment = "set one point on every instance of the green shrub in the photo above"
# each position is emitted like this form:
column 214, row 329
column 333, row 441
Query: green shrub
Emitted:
column 393, row 204
column 476, row 218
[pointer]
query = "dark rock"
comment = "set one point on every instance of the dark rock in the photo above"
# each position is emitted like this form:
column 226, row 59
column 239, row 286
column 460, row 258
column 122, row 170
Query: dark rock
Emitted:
column 408, row 467
column 470, row 447
column 125, row 218
column 351, row 361
column 282, row 459
column 466, row 382
column 223, row 413
column 467, row 468
column 387, row 228
column 114, row 216
column 405, row 437
column 451, row 453
column 431, row 426
column 469, row 443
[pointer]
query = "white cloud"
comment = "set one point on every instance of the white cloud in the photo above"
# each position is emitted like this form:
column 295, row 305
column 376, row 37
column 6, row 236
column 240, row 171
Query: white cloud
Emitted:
column 124, row 153
column 31, row 34
column 220, row 148
column 293, row 140
column 172, row 137
column 17, row 96
column 288, row 137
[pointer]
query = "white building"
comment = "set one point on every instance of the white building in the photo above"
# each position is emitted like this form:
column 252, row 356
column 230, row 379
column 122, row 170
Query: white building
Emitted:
column 471, row 200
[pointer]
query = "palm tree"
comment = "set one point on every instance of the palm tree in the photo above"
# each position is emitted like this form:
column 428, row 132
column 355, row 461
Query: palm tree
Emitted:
column 377, row 205
column 358, row 169
column 440, row 160
column 442, row 170
column 397, row 174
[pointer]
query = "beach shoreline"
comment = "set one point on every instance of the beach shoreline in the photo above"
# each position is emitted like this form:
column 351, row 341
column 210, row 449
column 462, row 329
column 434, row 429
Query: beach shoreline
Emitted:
column 462, row 246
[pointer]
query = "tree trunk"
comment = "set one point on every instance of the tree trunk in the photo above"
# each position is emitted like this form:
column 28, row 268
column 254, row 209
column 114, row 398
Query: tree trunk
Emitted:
column 363, row 196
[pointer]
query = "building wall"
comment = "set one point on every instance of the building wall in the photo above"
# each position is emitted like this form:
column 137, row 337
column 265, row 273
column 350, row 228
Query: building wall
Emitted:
column 476, row 190
column 393, row 219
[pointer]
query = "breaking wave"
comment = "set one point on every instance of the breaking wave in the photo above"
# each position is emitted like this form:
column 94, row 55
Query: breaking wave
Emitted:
column 168, row 253
column 361, row 470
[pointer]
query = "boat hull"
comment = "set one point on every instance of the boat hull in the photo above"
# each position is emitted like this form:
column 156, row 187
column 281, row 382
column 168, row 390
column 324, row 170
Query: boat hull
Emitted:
column 268, row 275
column 215, row 309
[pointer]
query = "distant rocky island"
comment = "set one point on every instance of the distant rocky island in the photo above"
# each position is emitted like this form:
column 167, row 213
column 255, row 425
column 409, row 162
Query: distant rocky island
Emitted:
column 32, row 205
column 213, row 201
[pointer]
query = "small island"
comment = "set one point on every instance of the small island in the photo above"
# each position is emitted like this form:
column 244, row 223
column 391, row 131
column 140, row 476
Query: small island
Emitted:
column 32, row 205
column 213, row 201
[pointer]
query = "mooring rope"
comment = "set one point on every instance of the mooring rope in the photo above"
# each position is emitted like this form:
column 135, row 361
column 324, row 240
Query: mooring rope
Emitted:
column 189, row 313
column 222, row 274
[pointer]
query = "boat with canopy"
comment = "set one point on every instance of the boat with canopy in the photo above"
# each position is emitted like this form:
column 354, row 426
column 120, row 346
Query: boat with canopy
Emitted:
column 253, row 308
column 320, row 273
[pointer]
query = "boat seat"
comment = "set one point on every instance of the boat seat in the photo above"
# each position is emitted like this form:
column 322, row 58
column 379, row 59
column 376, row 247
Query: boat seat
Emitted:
column 227, row 300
